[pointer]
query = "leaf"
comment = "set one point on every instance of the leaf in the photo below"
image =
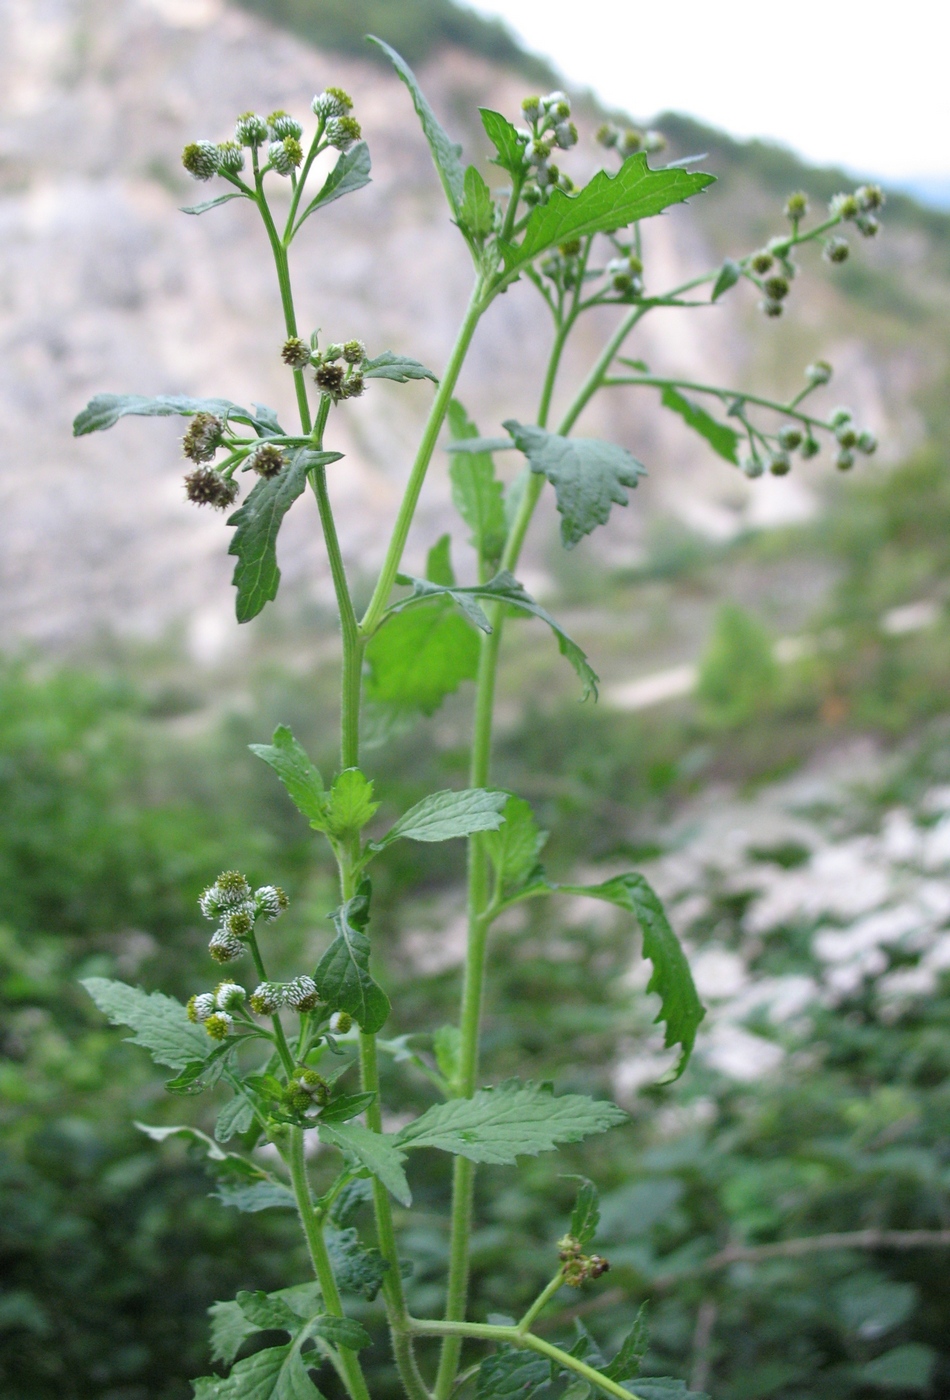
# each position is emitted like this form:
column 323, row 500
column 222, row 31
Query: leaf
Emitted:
column 345, row 1107
column 350, row 1201
column 729, row 274
column 720, row 436
column 199, row 1074
column 447, row 1044
column 504, row 138
column 680, row 1007
column 585, row 1217
column 342, row 975
column 357, row 1269
column 444, row 815
column 420, row 657
column 377, row 1152
column 342, row 1332
column 499, row 1125
column 227, row 1163
column 298, row 774
column 268, row 1312
column 160, row 1022
column 397, row 367
column 514, row 848
column 477, row 212
column 105, row 410
column 230, row 1325
column 213, row 203
column 510, row 1374
column 256, row 575
column 350, row 173
column 259, row 1195
column 351, row 803
column 439, row 562
column 445, row 153
column 588, row 476
column 278, row 1373
column 608, row 202
column 666, row 1388
column 907, row 1367
column 626, row 1364
column 476, row 492
column 236, row 1116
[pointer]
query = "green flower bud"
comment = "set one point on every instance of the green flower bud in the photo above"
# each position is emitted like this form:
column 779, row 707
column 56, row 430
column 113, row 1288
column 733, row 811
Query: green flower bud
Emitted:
column 819, row 372
column 314, row 1085
column 230, row 157
column 776, row 288
column 653, row 141
column 847, row 435
column 557, row 103
column 762, row 262
column 200, row 159
column 796, row 206
column 779, row 246
column 839, row 416
column 240, row 922
column 267, row 998
column 770, row 308
column 202, row 437
column 867, row 443
column 219, row 1026
column 353, row 385
column 341, row 1022
column 301, row 993
column 200, row 1007
column 790, row 436
column 531, row 194
column 250, row 130
column 870, row 196
column 752, row 467
column 296, row 353
column 281, row 126
column 607, row 135
column 810, row 447
column 228, row 996
column 206, row 487
column 268, row 460
column 565, row 183
column 332, row 102
column 531, row 106
column 270, row 902
column 565, row 134
column 229, row 891
column 843, row 206
column 286, row 155
column 844, row 459
column 354, row 352
column 780, row 464
column 836, row 250
column 867, row 225
column 341, row 132
column 225, row 947
column 630, row 141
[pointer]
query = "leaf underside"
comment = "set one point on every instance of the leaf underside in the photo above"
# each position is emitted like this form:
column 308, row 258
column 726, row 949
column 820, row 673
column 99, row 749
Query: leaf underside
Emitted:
column 160, row 1022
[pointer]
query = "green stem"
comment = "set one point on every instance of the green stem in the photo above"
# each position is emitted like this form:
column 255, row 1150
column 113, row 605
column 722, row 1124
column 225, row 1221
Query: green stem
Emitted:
column 542, row 1300
column 349, row 1360
column 657, row 382
column 279, row 250
column 420, row 466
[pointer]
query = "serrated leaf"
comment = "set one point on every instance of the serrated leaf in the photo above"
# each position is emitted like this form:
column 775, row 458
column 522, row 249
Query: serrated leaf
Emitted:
column 720, row 436
column 342, row 1332
column 504, row 138
column 447, row 1044
column 298, row 773
column 420, row 657
column 500, row 1125
column 607, row 202
column 585, row 1217
column 259, row 1195
column 379, row 1153
column 442, row 816
column 350, row 173
column 626, row 1364
column 235, row 1117
column 399, row 368
column 266, row 1312
column 680, row 1007
column 351, row 803
column 278, row 1373
column 357, row 1268
column 477, row 212
column 514, row 848
column 212, row 203
column 345, row 1107
column 105, row 410
column 588, row 476
column 347, row 1205
column 445, row 153
column 230, row 1326
column 342, row 975
column 511, row 1375
column 729, row 274
column 160, row 1022
column 256, row 525
column 476, row 492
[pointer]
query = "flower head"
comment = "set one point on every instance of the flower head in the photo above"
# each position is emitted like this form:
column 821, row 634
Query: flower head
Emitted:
column 201, row 159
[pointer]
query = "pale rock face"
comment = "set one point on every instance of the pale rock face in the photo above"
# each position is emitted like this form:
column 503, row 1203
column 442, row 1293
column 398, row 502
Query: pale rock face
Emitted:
column 105, row 286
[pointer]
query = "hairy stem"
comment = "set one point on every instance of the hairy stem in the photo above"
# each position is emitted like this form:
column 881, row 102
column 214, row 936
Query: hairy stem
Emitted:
column 542, row 1300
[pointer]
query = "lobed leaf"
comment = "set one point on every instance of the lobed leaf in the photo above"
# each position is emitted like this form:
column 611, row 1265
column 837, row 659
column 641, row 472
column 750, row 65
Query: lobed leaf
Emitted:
column 342, row 1332
column 259, row 1195
column 680, row 1007
column 277, row 1373
column 511, row 1375
column 358, row 1269
column 588, row 476
column 342, row 975
column 442, row 816
column 298, row 773
column 351, row 803
column 720, row 436
column 500, row 1125
column 235, row 1117
column 160, row 1022
column 400, row 368
column 420, row 657
column 379, row 1153
column 476, row 492
column 445, row 153
column 257, row 523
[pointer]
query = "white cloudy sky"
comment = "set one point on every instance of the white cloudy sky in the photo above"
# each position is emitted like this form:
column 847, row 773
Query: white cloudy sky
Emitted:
column 860, row 84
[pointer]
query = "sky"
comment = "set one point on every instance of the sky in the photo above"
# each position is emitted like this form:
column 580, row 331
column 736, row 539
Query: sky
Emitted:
column 860, row 85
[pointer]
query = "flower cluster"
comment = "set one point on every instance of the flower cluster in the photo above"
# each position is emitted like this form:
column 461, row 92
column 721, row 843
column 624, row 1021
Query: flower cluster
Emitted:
column 213, row 1010
column 549, row 128
column 231, row 900
column 306, row 1091
column 772, row 263
column 205, row 486
column 300, row 995
column 339, row 370
column 576, row 1266
column 333, row 107
column 282, row 133
column 627, row 140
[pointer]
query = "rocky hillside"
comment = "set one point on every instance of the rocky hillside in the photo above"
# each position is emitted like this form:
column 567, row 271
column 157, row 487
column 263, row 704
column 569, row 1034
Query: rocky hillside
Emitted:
column 106, row 286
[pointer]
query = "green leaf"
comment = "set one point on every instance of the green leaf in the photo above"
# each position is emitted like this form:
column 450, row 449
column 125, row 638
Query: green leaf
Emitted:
column 588, row 476
column 105, row 410
column 476, row 492
column 351, row 803
column 298, row 774
column 607, row 202
column 350, row 173
column 236, row 1116
column 357, row 1269
column 729, row 274
column 345, row 1107
column 199, row 1074
column 160, row 1022
column 514, row 848
column 342, row 975
column 278, row 1373
column 397, row 367
column 439, row 562
column 666, row 1388
column 447, row 1044
column 445, row 153
column 585, row 1217
column 420, row 657
column 511, row 1375
column 499, row 1125
column 257, row 523
column 342, row 1332
column 680, row 1007
column 259, row 1195
column 442, row 816
column 720, row 436
column 504, row 138
column 477, row 213
column 231, row 1326
column 268, row 1312
column 907, row 1367
column 379, row 1153
column 226, row 1163
column 626, row 1364
column 213, row 203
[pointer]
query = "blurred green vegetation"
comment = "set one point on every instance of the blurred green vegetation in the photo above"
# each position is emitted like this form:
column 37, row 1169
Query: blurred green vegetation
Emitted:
column 120, row 798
